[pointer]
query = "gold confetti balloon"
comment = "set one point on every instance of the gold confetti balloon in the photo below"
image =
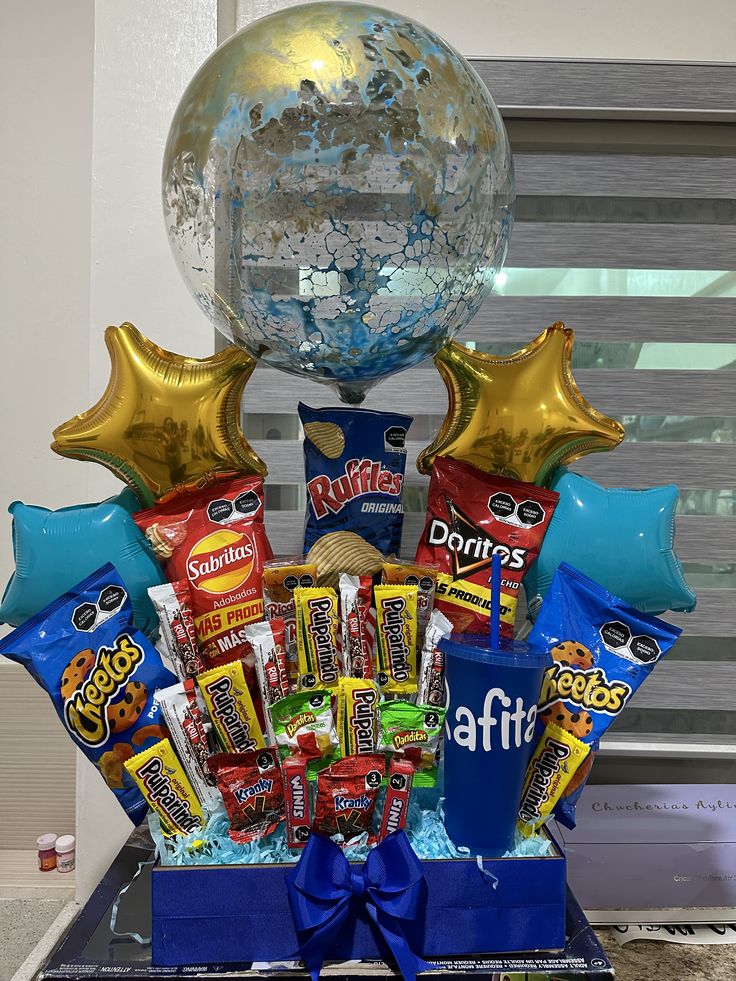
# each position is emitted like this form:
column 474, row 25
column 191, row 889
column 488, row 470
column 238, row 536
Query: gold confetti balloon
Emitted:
column 165, row 423
column 520, row 416
column 337, row 184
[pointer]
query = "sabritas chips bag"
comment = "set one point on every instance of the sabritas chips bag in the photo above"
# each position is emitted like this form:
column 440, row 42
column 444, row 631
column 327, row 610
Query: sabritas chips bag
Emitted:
column 472, row 515
column 216, row 540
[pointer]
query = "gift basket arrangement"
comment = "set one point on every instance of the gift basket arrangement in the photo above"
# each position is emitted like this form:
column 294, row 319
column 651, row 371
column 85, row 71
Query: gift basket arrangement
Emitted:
column 352, row 752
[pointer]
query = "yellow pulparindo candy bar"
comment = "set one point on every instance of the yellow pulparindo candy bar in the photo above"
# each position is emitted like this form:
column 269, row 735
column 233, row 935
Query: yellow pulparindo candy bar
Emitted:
column 396, row 636
column 166, row 787
column 316, row 638
column 553, row 764
column 230, row 706
column 357, row 716
column 414, row 574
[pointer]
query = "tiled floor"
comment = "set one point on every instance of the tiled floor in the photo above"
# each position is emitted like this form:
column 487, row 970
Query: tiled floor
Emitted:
column 23, row 922
column 647, row 960
column 30, row 901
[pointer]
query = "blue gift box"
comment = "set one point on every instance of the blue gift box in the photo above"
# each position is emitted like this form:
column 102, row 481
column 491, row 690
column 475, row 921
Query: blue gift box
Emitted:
column 227, row 913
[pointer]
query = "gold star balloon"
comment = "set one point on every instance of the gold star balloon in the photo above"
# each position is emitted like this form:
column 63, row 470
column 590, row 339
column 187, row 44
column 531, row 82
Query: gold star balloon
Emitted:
column 166, row 423
column 519, row 416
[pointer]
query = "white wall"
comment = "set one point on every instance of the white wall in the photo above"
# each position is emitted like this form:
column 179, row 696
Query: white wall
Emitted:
column 45, row 172
column 46, row 50
column 145, row 54
column 656, row 30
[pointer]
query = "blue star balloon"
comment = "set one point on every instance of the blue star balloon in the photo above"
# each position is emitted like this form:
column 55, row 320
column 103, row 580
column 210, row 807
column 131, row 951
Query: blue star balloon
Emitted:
column 622, row 538
column 126, row 499
column 54, row 550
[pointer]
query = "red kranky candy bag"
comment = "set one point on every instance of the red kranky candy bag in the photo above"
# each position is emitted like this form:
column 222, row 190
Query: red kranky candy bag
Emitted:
column 346, row 795
column 472, row 515
column 216, row 540
column 252, row 791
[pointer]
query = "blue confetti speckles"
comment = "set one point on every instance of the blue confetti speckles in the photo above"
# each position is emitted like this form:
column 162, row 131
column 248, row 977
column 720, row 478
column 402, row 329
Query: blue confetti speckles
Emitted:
column 352, row 210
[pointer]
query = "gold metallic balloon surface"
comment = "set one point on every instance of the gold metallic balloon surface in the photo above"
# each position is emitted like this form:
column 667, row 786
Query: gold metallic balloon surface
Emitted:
column 337, row 187
column 166, row 423
column 519, row 416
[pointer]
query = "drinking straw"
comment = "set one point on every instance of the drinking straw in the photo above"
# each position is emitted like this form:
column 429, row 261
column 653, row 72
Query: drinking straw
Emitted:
column 495, row 601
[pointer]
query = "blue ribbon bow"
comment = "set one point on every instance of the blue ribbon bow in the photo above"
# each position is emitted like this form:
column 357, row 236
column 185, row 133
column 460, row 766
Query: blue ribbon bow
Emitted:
column 322, row 889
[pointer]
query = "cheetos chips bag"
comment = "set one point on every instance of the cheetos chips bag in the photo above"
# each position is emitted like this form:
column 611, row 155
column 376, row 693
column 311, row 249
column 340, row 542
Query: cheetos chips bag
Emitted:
column 216, row 539
column 101, row 673
column 602, row 651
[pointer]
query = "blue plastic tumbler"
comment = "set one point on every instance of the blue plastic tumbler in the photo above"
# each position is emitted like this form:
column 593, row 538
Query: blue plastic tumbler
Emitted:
column 489, row 731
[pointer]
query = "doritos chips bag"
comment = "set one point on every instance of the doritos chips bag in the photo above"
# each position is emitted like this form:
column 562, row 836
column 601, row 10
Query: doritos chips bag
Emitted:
column 472, row 515
column 603, row 650
column 101, row 673
column 216, row 540
column 354, row 462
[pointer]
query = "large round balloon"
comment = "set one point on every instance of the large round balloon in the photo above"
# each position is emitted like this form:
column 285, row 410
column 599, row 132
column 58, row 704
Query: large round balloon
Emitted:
column 337, row 184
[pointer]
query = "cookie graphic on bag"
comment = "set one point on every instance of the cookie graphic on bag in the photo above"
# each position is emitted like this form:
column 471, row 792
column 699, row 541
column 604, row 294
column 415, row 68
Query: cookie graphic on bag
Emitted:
column 125, row 711
column 100, row 672
column 75, row 672
column 579, row 723
column 572, row 655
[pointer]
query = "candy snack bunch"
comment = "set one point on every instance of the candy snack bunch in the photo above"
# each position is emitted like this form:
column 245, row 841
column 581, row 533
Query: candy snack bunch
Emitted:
column 291, row 691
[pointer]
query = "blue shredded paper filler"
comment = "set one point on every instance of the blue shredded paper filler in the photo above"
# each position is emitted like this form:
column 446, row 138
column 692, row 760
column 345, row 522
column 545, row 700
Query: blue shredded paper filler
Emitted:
column 425, row 829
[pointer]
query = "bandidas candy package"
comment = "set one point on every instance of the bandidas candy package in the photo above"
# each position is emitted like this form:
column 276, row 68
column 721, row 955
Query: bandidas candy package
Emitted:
column 101, row 673
column 603, row 650
column 471, row 516
column 215, row 539
column 414, row 732
column 304, row 725
column 354, row 462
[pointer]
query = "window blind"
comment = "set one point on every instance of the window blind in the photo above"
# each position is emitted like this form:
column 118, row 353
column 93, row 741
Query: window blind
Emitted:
column 625, row 229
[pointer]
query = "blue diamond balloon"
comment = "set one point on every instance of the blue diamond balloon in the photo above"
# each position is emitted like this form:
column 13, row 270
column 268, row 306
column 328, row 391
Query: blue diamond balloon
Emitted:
column 622, row 538
column 54, row 550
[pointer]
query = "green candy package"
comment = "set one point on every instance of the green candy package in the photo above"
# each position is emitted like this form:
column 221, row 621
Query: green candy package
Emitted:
column 415, row 733
column 304, row 726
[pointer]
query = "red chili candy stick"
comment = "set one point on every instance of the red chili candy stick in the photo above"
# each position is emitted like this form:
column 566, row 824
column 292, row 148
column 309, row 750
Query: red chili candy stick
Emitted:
column 398, row 791
column 296, row 800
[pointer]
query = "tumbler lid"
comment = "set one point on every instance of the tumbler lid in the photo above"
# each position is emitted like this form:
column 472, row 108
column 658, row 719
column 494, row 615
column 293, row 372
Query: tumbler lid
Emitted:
column 477, row 647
